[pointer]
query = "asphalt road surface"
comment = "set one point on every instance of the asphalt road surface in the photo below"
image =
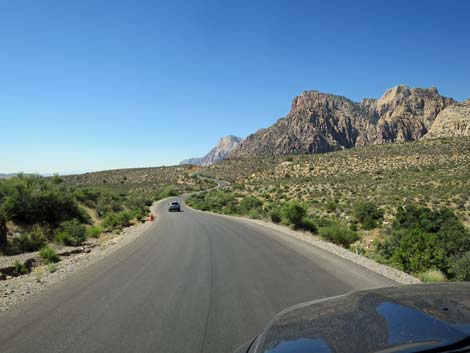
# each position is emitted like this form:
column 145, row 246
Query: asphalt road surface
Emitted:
column 193, row 282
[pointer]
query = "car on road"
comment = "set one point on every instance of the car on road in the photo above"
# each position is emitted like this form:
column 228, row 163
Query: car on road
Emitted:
column 174, row 206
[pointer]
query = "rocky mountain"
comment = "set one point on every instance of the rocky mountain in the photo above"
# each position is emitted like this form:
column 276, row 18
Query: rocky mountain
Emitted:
column 222, row 149
column 452, row 121
column 320, row 122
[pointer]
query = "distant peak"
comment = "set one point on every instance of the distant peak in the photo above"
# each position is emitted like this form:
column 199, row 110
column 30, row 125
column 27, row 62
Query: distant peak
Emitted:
column 222, row 149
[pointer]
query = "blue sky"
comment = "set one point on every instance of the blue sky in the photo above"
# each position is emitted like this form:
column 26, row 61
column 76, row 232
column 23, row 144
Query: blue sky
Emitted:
column 91, row 85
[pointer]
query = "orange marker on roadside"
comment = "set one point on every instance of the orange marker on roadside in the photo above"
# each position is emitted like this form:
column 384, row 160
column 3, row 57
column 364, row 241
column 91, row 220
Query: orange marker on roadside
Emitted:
column 151, row 217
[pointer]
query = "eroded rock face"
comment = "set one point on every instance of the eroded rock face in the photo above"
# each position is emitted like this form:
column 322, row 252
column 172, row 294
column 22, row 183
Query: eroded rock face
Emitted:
column 452, row 121
column 405, row 114
column 320, row 122
column 224, row 147
column 317, row 122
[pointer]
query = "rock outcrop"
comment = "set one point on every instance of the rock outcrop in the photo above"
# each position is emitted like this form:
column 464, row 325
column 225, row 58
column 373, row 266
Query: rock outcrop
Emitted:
column 320, row 122
column 224, row 147
column 452, row 121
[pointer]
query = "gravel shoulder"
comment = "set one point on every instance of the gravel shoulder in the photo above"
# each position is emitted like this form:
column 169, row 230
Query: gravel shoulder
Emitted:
column 386, row 271
column 14, row 290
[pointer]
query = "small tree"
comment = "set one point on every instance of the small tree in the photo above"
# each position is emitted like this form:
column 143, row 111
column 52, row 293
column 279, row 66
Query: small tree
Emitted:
column 368, row 214
column 293, row 212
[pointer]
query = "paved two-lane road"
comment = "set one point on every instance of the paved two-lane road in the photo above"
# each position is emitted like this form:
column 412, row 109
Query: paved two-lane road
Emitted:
column 193, row 282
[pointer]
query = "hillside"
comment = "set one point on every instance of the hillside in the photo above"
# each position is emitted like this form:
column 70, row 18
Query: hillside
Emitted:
column 141, row 180
column 432, row 173
column 320, row 122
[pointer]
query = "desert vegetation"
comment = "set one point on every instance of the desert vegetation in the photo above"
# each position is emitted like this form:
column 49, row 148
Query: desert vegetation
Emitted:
column 37, row 212
column 406, row 205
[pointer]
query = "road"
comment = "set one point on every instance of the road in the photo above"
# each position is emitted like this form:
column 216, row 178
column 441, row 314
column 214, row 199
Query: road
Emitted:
column 193, row 282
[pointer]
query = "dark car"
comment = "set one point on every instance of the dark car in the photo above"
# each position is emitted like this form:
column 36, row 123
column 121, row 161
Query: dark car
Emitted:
column 174, row 206
column 409, row 318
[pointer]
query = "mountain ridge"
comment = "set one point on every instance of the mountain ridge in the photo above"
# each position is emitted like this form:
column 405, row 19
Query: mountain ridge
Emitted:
column 322, row 122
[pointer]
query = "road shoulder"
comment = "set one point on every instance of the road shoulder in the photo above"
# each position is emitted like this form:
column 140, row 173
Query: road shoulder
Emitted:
column 383, row 270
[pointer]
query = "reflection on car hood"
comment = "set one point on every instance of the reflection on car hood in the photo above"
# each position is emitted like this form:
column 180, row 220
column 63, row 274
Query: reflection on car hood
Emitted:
column 411, row 318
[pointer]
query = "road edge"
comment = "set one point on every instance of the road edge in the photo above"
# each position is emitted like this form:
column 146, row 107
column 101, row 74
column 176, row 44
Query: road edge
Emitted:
column 383, row 270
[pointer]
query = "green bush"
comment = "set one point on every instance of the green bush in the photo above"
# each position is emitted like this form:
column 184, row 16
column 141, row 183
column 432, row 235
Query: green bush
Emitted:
column 71, row 233
column 88, row 196
column 115, row 220
column 292, row 212
column 33, row 199
column 221, row 201
column 254, row 214
column 94, row 232
column 339, row 234
column 248, row 204
column 20, row 268
column 139, row 213
column 48, row 255
column 275, row 216
column 109, row 203
column 368, row 214
column 432, row 276
column 416, row 251
column 309, row 225
column 34, row 239
column 423, row 239
column 168, row 191
column 460, row 267
column 110, row 221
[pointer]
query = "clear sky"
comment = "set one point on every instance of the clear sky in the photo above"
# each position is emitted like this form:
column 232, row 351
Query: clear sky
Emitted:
column 90, row 85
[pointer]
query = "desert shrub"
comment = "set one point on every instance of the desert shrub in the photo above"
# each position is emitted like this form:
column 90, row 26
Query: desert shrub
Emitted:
column 293, row 212
column 115, row 220
column 310, row 225
column 222, row 201
column 415, row 251
column 71, row 233
column 331, row 206
column 167, row 191
column 275, row 216
column 33, row 199
column 33, row 240
column 48, row 255
column 460, row 267
column 88, row 196
column 368, row 214
column 52, row 267
column 432, row 276
column 94, row 231
column 254, row 213
column 423, row 239
column 248, row 204
column 139, row 213
column 109, row 203
column 20, row 268
column 339, row 234
column 138, row 201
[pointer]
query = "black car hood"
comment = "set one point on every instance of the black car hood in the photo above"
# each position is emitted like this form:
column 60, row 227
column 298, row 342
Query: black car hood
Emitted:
column 411, row 318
